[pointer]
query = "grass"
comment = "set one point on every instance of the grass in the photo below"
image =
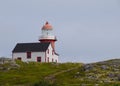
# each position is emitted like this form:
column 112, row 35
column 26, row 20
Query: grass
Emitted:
column 33, row 74
column 30, row 73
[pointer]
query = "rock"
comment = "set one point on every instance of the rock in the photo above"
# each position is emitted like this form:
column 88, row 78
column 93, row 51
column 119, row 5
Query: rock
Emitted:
column 116, row 69
column 88, row 67
column 7, row 64
column 101, row 81
column 111, row 75
column 15, row 65
column 83, row 85
column 77, row 75
column 104, row 67
column 92, row 77
column 96, row 84
column 118, row 77
column 4, row 60
column 106, row 81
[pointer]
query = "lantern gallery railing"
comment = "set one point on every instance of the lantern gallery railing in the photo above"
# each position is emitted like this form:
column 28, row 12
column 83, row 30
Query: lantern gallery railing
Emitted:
column 47, row 37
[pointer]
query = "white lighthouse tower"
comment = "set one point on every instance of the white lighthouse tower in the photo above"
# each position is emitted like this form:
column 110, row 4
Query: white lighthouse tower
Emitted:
column 47, row 35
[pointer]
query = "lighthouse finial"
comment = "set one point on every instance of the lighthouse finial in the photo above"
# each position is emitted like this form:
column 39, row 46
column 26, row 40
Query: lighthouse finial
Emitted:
column 47, row 26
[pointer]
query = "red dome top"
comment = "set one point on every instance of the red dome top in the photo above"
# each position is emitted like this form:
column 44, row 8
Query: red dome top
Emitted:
column 47, row 26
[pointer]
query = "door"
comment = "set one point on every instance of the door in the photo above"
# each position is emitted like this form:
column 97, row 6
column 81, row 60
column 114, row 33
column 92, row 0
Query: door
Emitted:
column 38, row 59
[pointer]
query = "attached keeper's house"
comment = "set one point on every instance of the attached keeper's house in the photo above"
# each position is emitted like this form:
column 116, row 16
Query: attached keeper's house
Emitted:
column 43, row 51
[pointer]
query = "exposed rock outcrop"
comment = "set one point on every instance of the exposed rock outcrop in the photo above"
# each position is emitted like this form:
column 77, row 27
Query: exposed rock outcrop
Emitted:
column 7, row 64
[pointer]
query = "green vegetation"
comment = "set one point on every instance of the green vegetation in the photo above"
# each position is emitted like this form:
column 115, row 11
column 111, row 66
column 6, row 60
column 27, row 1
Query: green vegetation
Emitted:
column 30, row 73
column 105, row 73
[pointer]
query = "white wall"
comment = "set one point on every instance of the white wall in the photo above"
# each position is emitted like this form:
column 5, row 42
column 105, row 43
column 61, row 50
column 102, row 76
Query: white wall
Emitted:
column 50, row 55
column 34, row 56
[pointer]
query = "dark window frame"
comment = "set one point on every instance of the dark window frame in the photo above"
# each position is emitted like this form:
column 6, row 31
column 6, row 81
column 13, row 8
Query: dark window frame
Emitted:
column 28, row 55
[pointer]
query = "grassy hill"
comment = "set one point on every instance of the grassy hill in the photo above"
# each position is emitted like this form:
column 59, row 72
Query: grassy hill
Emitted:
column 29, row 73
column 60, row 74
column 105, row 73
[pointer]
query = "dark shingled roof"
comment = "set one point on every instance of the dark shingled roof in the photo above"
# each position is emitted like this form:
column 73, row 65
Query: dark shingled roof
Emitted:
column 33, row 47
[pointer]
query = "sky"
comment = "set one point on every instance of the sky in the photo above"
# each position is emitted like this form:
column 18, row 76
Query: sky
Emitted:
column 87, row 30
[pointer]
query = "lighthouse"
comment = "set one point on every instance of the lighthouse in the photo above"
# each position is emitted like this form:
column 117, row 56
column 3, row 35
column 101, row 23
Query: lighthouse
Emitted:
column 43, row 51
column 47, row 35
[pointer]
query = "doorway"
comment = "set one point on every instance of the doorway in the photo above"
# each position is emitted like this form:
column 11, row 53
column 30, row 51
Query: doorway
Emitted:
column 38, row 59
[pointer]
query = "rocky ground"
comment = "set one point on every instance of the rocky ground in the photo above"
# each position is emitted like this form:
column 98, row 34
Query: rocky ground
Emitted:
column 7, row 64
column 93, row 74
column 106, row 71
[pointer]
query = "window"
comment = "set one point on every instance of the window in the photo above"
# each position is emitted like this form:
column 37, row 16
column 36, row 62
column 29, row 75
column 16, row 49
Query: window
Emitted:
column 48, row 51
column 56, row 61
column 52, row 60
column 45, row 59
column 38, row 59
column 52, row 52
column 48, row 59
column 19, row 58
column 28, row 55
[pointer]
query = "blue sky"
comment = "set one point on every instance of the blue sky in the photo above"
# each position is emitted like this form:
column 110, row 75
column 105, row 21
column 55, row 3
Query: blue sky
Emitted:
column 87, row 30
